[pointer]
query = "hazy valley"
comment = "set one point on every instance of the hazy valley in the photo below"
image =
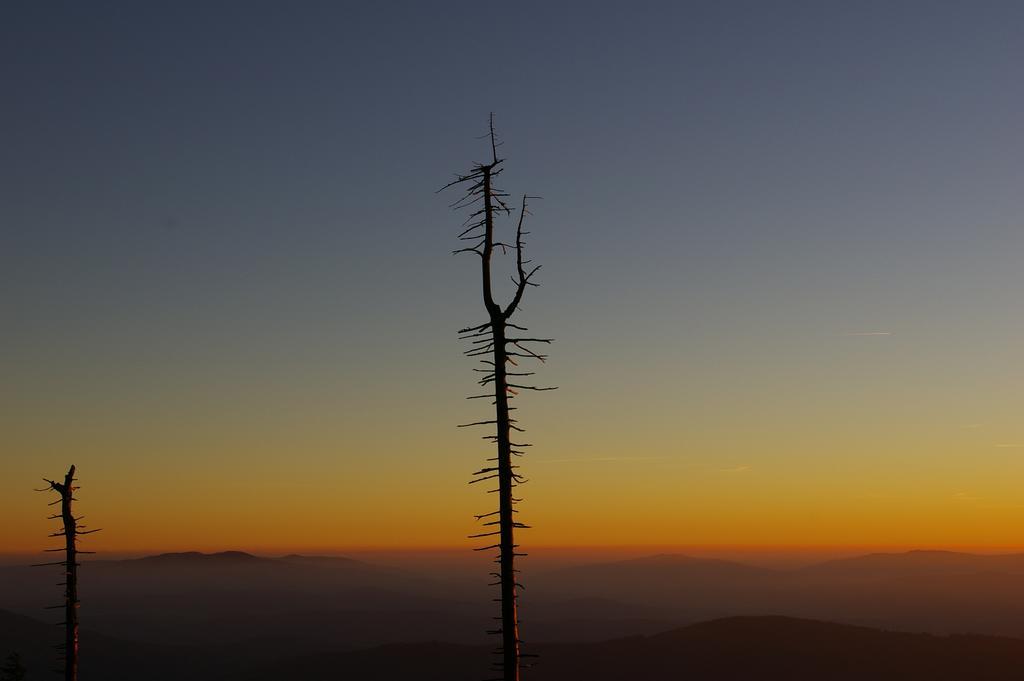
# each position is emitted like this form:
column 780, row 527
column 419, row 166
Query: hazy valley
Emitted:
column 214, row 615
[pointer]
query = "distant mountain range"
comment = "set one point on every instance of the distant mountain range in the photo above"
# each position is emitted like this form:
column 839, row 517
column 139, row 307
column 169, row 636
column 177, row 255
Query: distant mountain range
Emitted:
column 936, row 591
column 301, row 603
column 293, row 606
column 918, row 563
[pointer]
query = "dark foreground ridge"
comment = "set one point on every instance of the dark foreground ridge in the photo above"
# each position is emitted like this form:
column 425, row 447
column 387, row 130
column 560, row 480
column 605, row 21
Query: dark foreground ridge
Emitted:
column 732, row 649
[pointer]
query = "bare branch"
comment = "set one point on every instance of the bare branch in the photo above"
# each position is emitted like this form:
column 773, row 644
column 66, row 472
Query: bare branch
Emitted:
column 490, row 340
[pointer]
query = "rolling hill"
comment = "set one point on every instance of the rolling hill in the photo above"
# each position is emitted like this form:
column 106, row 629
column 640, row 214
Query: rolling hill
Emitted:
column 735, row 649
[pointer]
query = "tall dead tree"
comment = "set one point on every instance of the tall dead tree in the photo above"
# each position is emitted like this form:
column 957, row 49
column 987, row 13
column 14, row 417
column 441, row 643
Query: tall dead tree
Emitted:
column 501, row 346
column 70, row 531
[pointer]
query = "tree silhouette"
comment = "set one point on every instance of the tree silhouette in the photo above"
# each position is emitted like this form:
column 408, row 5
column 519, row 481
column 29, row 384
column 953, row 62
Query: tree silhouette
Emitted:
column 71, row 531
column 500, row 353
column 13, row 669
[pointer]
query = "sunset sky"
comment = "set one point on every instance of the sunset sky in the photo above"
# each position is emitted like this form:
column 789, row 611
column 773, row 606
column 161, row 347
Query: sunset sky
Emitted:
column 782, row 248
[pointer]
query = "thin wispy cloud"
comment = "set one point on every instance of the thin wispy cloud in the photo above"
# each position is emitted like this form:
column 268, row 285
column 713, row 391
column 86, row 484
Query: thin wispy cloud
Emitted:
column 604, row 458
column 964, row 496
column 868, row 333
column 735, row 469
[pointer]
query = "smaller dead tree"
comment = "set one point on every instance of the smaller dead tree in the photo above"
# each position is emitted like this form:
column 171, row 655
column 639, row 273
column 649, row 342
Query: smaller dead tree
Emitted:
column 71, row 531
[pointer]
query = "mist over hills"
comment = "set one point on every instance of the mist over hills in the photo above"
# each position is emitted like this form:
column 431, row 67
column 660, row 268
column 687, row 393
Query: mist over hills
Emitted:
column 918, row 563
column 105, row 657
column 300, row 603
column 301, row 610
column 935, row 591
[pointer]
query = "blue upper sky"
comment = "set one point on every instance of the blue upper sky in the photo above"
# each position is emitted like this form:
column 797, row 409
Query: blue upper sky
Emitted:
column 233, row 203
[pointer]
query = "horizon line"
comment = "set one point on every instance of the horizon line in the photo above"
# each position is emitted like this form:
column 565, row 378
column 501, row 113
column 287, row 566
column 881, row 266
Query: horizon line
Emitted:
column 754, row 548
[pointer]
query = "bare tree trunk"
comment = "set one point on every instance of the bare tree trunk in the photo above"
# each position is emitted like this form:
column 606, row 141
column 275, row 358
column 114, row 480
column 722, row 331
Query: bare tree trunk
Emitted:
column 71, row 581
column 71, row 531
column 507, row 552
column 492, row 339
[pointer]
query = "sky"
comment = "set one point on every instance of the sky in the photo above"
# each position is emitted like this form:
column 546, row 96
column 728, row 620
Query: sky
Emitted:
column 781, row 261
